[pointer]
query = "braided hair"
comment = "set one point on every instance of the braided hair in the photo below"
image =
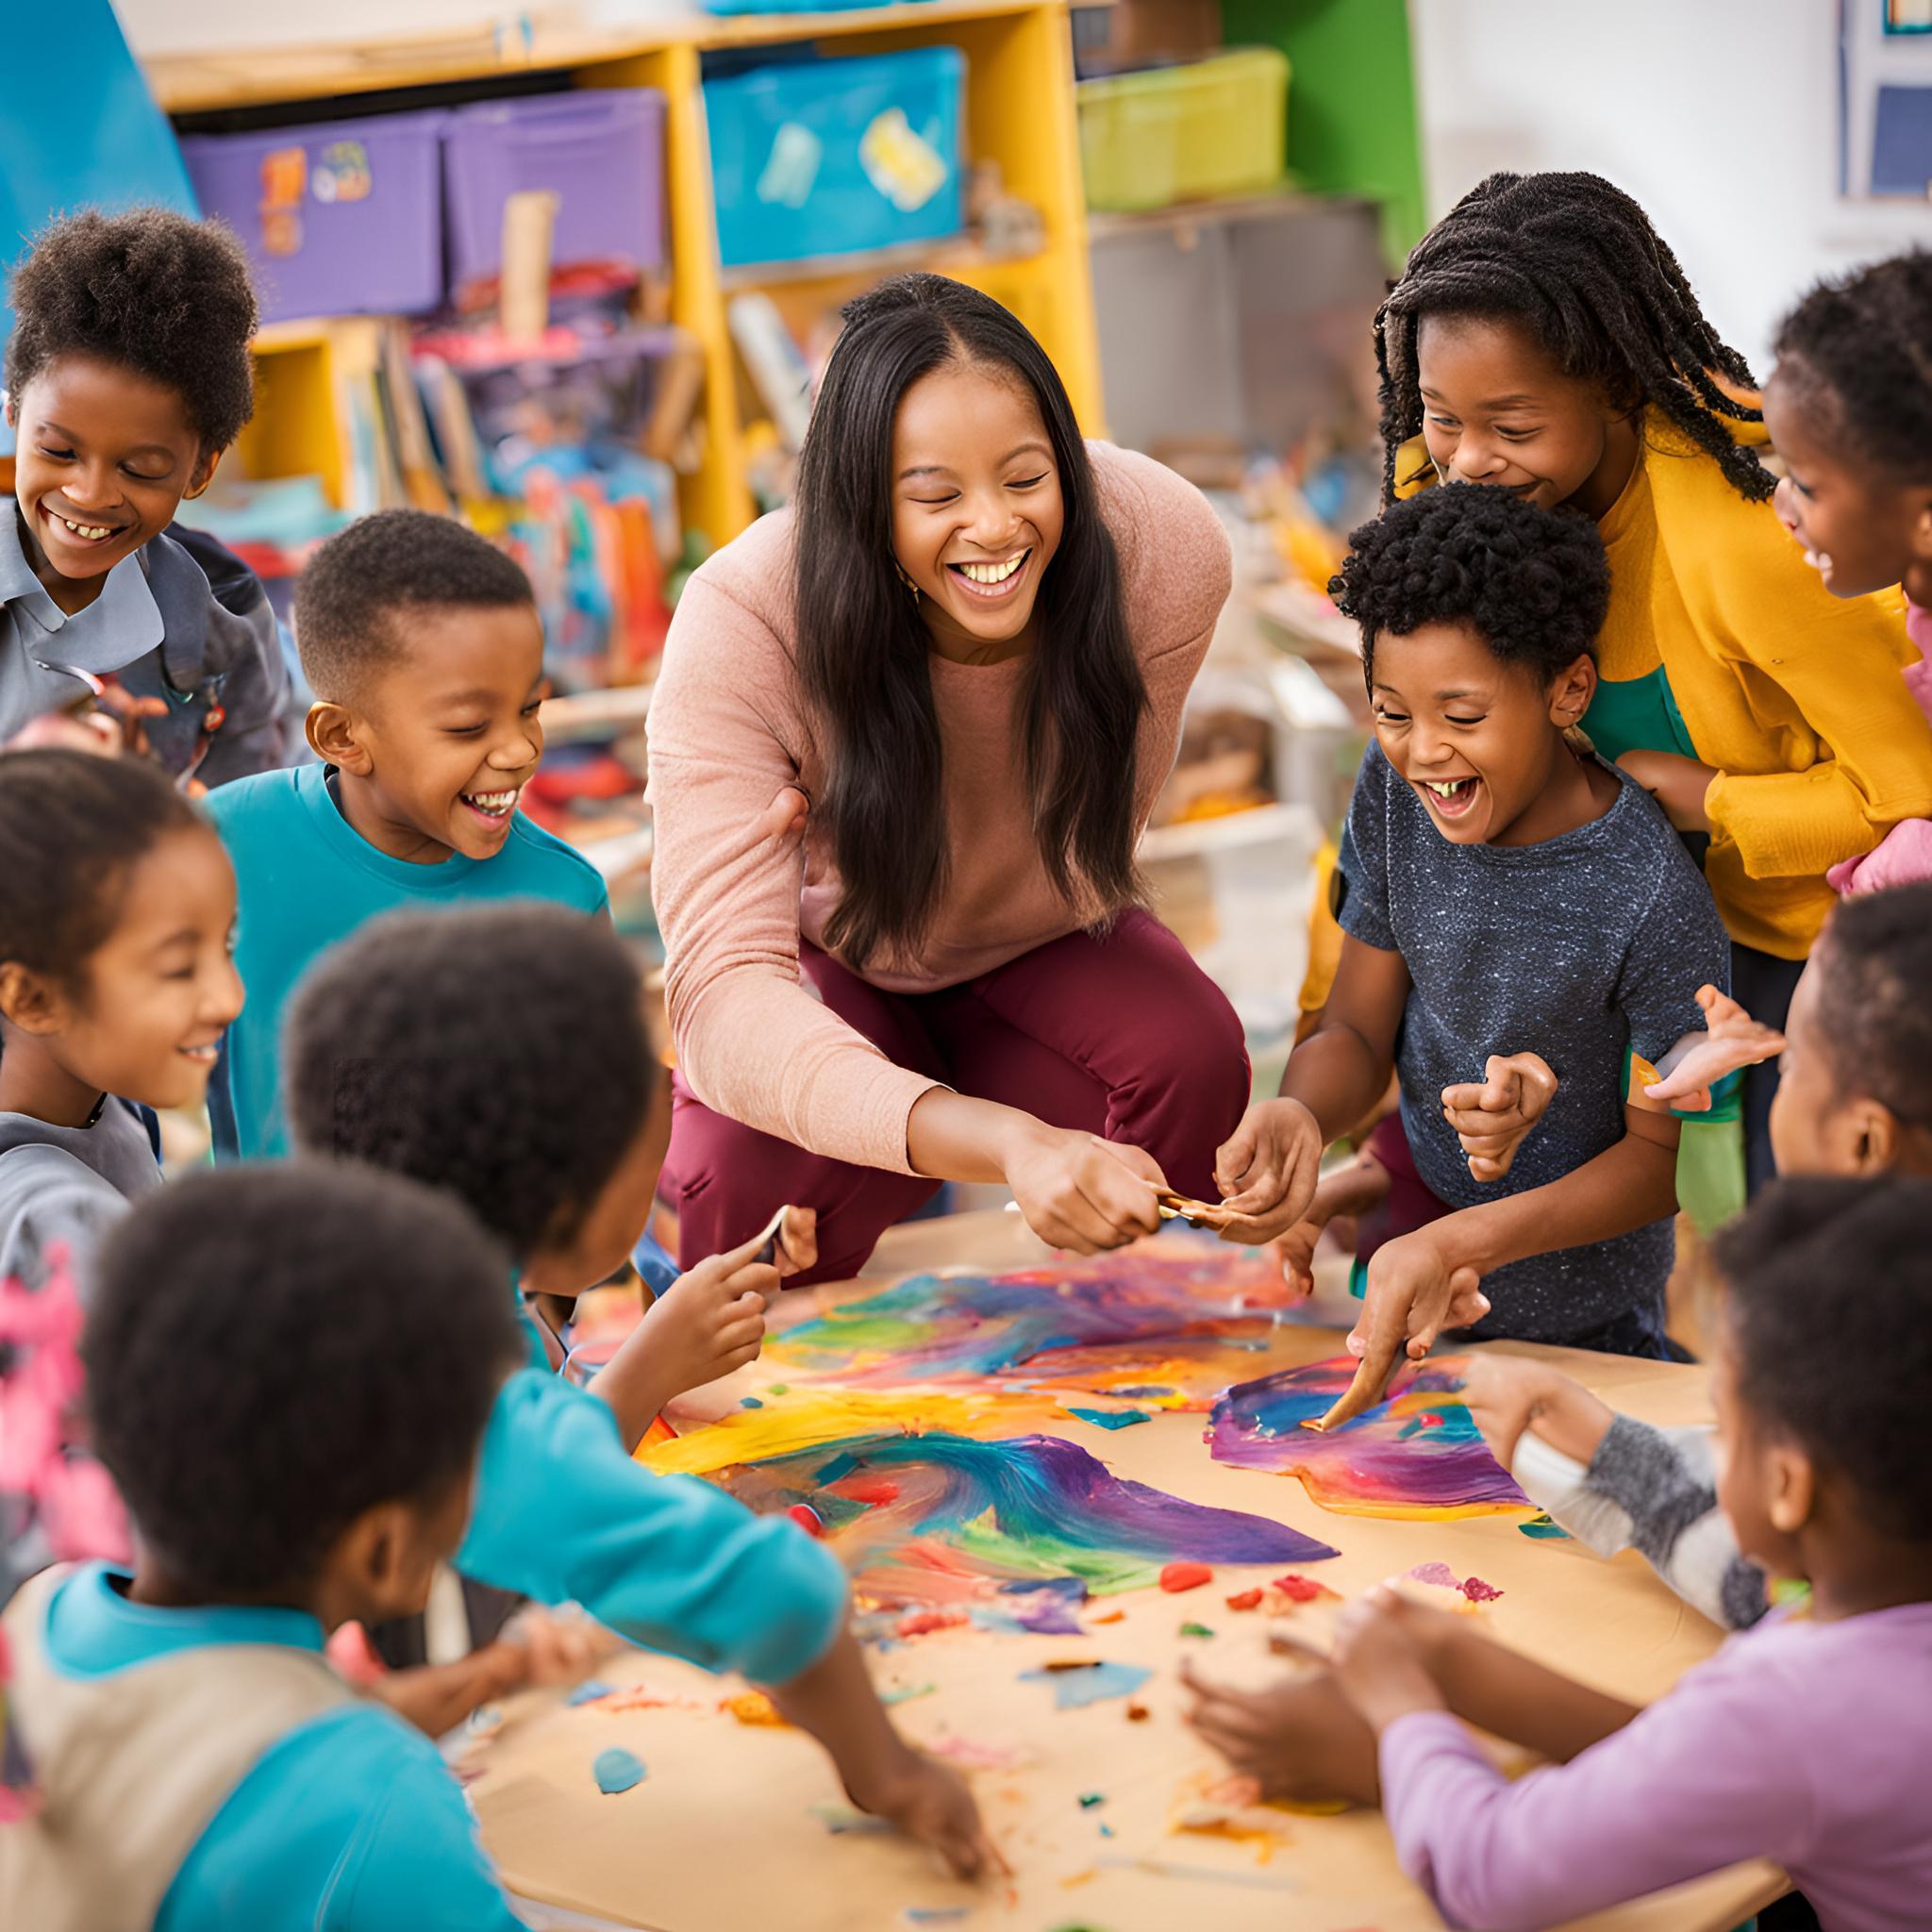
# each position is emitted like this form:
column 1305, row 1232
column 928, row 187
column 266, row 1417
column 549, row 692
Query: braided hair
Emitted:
column 1577, row 262
column 1859, row 342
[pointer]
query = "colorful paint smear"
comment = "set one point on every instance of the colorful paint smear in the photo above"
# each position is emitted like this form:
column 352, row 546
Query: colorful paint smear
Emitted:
column 1416, row 1453
column 923, row 1514
column 1173, row 1315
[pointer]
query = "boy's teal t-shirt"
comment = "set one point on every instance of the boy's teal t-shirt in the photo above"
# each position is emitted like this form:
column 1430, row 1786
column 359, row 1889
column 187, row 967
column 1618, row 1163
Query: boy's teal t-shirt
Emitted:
column 350, row 1821
column 307, row 880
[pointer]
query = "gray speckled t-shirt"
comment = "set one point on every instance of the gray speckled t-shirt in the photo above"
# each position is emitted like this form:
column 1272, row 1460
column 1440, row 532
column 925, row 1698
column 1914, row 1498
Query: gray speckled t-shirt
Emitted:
column 1582, row 948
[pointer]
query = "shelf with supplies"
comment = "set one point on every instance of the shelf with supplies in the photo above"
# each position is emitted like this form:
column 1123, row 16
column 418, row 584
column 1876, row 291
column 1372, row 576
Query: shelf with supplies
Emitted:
column 1019, row 128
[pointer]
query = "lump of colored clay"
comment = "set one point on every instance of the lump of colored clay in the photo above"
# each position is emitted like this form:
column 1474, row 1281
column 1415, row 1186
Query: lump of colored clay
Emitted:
column 1180, row 1576
column 1245, row 1600
column 1301, row 1589
column 749, row 1402
column 1195, row 1630
column 1478, row 1592
column 588, row 1692
column 753, row 1707
column 1111, row 1418
column 617, row 1769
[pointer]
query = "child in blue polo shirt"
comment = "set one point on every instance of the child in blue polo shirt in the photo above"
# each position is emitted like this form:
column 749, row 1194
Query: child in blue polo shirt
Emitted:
column 199, row 1763
column 454, row 1048
column 424, row 650
column 127, row 377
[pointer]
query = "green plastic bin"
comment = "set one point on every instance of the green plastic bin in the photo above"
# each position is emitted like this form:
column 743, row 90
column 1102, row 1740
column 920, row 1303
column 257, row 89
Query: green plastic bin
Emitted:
column 1197, row 132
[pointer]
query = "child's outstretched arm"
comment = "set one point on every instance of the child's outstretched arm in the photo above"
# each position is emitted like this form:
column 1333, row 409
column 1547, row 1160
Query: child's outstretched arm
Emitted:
column 1701, row 1780
column 1615, row 1483
column 1269, row 1168
column 834, row 1701
column 1424, row 1282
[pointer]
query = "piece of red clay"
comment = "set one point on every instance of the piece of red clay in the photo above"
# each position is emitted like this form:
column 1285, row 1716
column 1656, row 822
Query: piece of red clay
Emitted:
column 1179, row 1576
column 1245, row 1600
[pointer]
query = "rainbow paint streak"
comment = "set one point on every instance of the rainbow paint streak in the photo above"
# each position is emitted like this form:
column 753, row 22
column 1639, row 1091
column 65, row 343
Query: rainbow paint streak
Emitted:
column 1418, row 1454
column 1174, row 1315
column 928, row 1515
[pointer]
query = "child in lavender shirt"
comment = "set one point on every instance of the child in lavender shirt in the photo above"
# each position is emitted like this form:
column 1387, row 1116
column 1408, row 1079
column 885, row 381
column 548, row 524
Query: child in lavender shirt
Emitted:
column 1807, row 1739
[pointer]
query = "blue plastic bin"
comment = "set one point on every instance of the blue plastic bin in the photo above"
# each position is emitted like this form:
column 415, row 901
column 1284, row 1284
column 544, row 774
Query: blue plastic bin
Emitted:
column 600, row 150
column 834, row 156
column 343, row 218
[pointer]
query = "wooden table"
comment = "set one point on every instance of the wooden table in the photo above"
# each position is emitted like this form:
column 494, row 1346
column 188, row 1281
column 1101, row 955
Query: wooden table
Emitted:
column 720, row 1835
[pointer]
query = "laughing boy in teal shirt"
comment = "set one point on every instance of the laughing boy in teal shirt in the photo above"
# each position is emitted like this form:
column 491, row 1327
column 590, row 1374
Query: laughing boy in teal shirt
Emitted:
column 424, row 647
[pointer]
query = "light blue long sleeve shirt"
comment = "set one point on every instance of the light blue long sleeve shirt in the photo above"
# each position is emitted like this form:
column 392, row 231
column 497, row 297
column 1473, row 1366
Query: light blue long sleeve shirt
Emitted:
column 348, row 1823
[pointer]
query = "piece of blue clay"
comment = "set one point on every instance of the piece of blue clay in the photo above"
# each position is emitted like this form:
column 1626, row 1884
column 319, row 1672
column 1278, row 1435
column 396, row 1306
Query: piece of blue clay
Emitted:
column 588, row 1692
column 617, row 1769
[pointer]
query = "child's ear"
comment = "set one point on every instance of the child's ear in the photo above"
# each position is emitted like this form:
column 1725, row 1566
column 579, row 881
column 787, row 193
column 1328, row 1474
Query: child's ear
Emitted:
column 335, row 736
column 205, row 467
column 1873, row 1132
column 1794, row 1489
column 1570, row 692
column 1922, row 528
column 29, row 1001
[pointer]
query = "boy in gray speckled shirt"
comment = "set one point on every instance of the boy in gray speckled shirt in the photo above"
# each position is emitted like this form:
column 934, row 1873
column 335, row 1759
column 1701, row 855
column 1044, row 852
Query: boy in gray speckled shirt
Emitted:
column 1505, row 893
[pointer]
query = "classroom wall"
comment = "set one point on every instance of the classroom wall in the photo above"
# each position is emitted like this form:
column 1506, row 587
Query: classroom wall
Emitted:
column 193, row 27
column 1719, row 116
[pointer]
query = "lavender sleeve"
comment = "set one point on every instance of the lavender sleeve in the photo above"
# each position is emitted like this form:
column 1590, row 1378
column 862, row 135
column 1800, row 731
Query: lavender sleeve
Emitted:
column 1705, row 1778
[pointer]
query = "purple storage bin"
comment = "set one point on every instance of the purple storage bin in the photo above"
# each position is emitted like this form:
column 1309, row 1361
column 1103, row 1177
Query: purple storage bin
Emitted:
column 600, row 150
column 338, row 219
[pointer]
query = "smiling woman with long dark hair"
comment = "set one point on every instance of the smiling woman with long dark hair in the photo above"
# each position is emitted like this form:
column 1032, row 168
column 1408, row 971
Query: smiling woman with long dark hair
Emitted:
column 967, row 648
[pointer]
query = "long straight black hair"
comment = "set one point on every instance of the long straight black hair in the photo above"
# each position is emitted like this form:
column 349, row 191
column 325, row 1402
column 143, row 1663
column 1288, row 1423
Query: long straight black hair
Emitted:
column 864, row 649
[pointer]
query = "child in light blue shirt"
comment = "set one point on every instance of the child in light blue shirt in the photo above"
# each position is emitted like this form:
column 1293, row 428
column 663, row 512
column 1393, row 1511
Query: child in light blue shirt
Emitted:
column 424, row 650
column 454, row 1048
column 199, row 1763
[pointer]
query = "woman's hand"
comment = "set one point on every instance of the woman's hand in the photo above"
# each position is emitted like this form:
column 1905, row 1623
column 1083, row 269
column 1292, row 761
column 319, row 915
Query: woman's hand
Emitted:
column 798, row 1240
column 1678, row 784
column 1267, row 1170
column 1301, row 1739
column 1732, row 1039
column 1492, row 1117
column 1080, row 1192
column 1509, row 1393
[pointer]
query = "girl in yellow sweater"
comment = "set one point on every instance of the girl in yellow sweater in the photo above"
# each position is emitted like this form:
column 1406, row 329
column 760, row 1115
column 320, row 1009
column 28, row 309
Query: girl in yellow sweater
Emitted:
column 1543, row 338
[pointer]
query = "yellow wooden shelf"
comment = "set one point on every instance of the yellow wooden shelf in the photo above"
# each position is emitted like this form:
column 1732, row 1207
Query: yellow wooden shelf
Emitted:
column 1020, row 115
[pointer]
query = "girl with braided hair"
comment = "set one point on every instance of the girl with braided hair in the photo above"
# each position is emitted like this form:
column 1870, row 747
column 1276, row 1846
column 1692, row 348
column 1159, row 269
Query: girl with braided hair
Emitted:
column 1850, row 405
column 1543, row 338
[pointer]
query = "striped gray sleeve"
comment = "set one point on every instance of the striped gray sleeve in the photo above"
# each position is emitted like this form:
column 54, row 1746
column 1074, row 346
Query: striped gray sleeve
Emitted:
column 1662, row 1481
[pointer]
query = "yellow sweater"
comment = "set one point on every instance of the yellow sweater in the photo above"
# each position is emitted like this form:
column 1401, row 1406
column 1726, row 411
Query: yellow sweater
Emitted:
column 1722, row 643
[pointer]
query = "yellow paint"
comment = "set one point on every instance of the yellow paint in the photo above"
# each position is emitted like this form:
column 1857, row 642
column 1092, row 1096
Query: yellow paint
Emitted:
column 809, row 1422
column 1020, row 115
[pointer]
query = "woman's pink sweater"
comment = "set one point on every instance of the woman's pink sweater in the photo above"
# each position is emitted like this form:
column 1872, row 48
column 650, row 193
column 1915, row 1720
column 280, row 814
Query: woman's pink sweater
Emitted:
column 729, row 727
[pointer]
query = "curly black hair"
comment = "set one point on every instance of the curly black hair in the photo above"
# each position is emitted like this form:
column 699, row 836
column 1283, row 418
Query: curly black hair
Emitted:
column 1851, row 1390
column 272, row 1351
column 72, row 828
column 354, row 588
column 1533, row 584
column 1576, row 262
column 1861, row 346
column 152, row 291
column 497, row 1052
column 1873, row 964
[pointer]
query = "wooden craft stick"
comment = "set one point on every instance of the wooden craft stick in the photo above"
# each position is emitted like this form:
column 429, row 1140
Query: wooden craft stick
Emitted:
column 1176, row 1206
column 1363, row 1392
